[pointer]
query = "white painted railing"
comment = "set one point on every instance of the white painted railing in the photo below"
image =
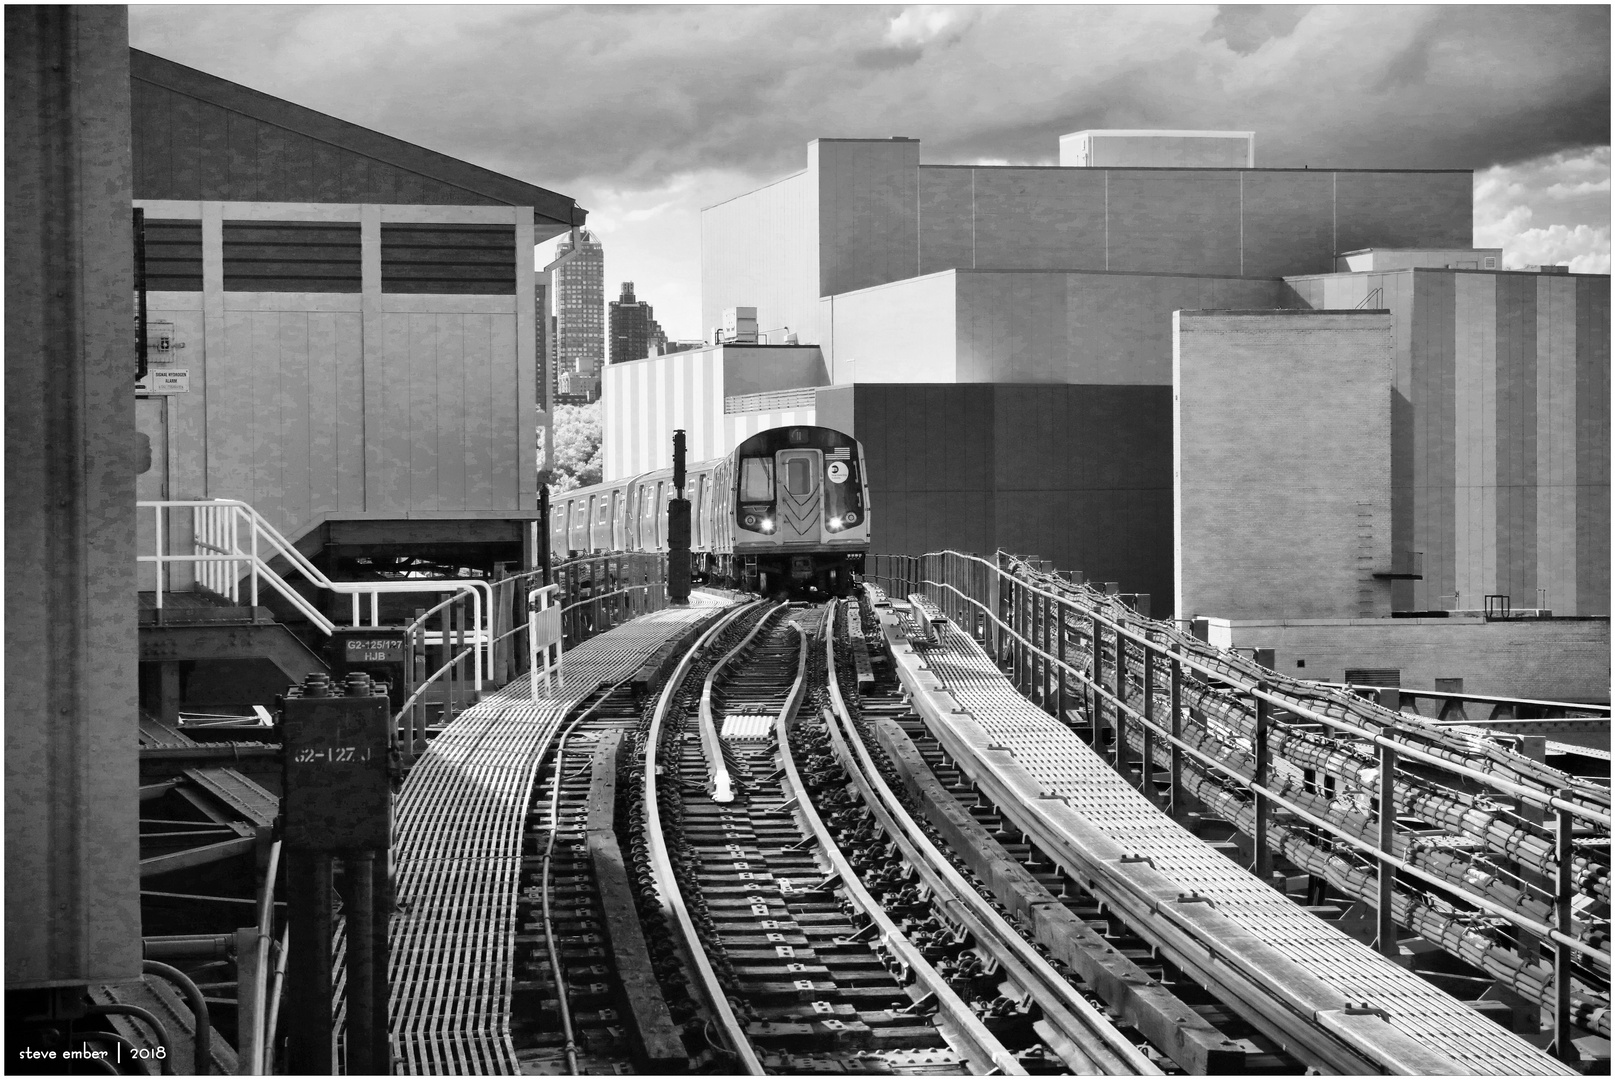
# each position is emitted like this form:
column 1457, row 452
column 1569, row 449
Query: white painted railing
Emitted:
column 231, row 548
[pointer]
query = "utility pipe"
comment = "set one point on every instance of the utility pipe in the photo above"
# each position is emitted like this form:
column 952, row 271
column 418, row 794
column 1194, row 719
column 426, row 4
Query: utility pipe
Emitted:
column 202, row 1047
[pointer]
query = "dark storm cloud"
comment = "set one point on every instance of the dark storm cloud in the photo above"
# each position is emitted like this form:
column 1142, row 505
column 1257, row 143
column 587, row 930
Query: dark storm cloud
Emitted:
column 1247, row 27
column 569, row 97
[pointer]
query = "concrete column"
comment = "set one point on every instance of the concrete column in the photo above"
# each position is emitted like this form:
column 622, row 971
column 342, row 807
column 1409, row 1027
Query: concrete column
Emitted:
column 72, row 765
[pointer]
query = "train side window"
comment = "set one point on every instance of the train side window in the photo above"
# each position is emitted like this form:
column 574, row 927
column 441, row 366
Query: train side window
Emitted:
column 757, row 479
column 616, row 520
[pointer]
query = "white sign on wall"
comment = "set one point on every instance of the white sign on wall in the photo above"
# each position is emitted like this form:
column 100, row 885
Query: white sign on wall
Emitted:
column 165, row 381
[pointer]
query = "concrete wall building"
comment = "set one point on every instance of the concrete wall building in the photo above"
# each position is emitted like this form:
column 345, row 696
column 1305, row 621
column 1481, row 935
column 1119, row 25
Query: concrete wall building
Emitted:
column 1558, row 659
column 1281, row 436
column 580, row 305
column 1383, row 259
column 1500, row 432
column 1024, row 326
column 926, row 284
column 1102, row 148
column 865, row 212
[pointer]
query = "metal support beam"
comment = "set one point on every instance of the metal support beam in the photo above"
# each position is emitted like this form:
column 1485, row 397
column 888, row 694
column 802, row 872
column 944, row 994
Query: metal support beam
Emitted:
column 1564, row 1047
column 308, row 1002
column 1059, row 654
column 1119, row 666
column 1385, row 917
column 1175, row 755
column 1146, row 774
column 1096, row 679
column 197, row 856
column 1262, row 863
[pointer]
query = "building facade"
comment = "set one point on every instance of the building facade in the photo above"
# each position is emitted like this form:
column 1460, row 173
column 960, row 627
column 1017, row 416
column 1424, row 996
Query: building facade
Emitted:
column 355, row 320
column 635, row 333
column 580, row 305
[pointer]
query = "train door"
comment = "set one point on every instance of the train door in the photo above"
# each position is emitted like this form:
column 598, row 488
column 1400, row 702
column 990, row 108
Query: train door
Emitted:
column 659, row 515
column 797, row 490
column 577, row 529
column 697, row 507
column 616, row 519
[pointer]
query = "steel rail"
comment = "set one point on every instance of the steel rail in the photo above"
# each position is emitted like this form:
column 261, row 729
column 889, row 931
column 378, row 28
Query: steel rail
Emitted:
column 666, row 882
column 978, row 1045
column 1063, row 1007
column 711, row 745
column 1290, row 1004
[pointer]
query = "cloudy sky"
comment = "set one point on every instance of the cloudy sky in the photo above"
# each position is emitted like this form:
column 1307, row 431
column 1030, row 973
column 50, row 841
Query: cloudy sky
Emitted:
column 646, row 114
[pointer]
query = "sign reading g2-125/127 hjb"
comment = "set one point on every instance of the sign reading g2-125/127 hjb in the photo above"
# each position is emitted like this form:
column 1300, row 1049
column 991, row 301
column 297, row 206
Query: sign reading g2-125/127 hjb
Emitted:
column 357, row 650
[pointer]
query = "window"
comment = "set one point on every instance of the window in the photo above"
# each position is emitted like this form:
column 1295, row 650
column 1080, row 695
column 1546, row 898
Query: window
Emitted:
column 799, row 475
column 757, row 479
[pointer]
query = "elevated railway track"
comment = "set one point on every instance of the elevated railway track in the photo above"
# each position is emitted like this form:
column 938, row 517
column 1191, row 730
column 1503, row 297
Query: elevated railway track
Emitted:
column 836, row 838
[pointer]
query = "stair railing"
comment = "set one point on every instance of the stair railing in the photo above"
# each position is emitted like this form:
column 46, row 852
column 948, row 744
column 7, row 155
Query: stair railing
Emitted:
column 231, row 541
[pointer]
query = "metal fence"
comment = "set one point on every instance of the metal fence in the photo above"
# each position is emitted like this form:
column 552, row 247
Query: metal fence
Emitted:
column 1490, row 854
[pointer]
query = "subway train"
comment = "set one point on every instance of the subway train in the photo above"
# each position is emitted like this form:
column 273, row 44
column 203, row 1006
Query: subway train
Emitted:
column 785, row 513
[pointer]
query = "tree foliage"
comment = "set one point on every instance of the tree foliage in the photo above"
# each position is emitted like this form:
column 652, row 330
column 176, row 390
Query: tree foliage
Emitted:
column 577, row 447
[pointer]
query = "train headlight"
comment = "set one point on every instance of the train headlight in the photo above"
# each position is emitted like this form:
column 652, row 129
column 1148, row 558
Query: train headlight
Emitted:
column 768, row 525
column 834, row 524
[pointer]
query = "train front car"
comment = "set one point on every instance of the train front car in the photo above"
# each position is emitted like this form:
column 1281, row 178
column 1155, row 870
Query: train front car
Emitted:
column 801, row 509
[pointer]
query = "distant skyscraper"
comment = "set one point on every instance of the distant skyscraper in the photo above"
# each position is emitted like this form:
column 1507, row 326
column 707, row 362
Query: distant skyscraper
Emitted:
column 635, row 333
column 580, row 307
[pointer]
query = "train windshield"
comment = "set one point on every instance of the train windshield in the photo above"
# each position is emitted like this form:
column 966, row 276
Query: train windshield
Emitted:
column 756, row 479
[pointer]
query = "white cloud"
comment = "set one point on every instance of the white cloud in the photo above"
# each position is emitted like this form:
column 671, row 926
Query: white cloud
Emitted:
column 1549, row 210
column 1584, row 248
column 920, row 25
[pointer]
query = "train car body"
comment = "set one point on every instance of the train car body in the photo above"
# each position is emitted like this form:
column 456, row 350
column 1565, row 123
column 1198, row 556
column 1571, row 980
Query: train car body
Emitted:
column 787, row 511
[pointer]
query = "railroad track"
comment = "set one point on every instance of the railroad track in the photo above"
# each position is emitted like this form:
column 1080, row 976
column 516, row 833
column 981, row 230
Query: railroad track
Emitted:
column 770, row 864
column 818, row 925
column 792, row 903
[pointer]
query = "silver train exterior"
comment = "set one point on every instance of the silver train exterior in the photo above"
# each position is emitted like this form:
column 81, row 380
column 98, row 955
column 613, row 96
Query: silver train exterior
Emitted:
column 786, row 512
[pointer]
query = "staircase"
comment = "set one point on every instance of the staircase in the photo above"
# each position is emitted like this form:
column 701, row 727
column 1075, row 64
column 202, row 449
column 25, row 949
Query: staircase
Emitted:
column 202, row 652
column 207, row 640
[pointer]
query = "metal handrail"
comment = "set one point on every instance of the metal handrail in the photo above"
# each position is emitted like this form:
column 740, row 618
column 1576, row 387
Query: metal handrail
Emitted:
column 221, row 534
column 1253, row 687
column 1257, row 690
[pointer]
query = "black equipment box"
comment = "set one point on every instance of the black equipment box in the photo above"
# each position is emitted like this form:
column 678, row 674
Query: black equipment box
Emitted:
column 378, row 651
column 338, row 768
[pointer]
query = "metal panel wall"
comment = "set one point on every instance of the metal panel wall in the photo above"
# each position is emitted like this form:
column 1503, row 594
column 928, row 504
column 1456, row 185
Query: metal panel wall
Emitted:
column 377, row 404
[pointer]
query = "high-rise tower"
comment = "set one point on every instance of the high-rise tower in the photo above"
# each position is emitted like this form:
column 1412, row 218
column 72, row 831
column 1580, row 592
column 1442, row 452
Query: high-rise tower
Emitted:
column 580, row 310
column 635, row 333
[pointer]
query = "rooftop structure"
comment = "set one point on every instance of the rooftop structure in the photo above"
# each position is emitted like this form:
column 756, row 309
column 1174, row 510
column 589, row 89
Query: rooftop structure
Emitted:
column 1159, row 149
